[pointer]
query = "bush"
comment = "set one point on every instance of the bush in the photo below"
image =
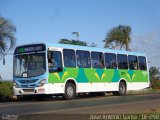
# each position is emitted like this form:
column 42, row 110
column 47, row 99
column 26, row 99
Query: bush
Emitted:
column 6, row 91
column 155, row 83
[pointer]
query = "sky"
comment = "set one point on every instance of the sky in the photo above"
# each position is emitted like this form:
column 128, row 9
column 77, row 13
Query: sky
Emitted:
column 52, row 20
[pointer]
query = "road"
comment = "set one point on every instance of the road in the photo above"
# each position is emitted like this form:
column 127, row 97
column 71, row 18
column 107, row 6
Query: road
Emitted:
column 87, row 105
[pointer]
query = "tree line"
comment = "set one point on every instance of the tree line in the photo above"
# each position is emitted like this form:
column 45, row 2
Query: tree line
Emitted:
column 117, row 37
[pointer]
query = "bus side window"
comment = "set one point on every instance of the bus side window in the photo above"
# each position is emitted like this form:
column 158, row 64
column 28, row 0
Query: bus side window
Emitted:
column 69, row 58
column 97, row 59
column 142, row 63
column 122, row 61
column 110, row 61
column 55, row 61
column 132, row 60
column 83, row 59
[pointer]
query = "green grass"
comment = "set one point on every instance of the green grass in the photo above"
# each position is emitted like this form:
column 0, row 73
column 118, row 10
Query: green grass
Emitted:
column 6, row 92
column 155, row 83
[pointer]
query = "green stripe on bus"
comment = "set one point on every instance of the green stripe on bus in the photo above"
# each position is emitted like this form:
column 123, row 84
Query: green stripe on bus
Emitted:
column 85, row 75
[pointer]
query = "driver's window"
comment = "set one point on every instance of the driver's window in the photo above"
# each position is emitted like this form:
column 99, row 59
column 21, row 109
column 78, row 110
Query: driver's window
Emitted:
column 54, row 60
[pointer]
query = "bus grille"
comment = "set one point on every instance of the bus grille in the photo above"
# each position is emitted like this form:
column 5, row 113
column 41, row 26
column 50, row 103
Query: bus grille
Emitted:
column 28, row 86
column 27, row 81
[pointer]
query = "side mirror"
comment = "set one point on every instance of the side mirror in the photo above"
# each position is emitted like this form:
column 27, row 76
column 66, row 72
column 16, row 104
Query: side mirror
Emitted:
column 49, row 55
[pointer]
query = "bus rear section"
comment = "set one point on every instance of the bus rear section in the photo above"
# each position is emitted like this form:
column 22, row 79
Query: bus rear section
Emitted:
column 91, row 70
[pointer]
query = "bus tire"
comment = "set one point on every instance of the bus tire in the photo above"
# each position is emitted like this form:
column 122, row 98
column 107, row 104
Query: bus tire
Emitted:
column 122, row 89
column 70, row 91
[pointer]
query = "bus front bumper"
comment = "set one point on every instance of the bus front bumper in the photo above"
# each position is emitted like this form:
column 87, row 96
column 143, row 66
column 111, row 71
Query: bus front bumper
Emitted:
column 30, row 91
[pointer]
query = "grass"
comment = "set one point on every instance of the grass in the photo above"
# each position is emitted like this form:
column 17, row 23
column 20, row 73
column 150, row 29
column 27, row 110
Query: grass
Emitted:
column 145, row 91
column 6, row 92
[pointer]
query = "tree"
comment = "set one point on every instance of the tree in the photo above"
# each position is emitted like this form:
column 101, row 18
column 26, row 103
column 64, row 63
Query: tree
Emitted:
column 118, row 37
column 76, row 42
column 65, row 41
column 7, row 35
column 73, row 42
column 154, row 72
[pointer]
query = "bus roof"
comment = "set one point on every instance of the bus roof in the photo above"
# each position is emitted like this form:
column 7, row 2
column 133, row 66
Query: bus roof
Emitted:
column 86, row 48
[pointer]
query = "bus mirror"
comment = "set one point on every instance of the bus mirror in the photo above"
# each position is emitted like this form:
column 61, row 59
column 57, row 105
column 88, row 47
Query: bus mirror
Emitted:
column 49, row 55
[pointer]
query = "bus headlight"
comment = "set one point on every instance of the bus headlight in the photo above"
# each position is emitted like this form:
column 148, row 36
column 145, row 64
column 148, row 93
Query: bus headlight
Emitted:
column 42, row 82
column 15, row 84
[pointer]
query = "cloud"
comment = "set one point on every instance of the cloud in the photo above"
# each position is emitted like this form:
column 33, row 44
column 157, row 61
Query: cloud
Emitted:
column 150, row 44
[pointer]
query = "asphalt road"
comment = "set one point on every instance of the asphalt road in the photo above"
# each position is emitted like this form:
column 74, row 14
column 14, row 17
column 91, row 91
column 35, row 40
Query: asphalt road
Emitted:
column 107, row 104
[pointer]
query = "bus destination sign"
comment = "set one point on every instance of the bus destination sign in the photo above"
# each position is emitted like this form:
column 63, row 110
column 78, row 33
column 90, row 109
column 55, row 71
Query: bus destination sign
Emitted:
column 30, row 48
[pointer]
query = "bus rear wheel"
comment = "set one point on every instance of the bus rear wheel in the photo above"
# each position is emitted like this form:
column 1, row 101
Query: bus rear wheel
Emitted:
column 122, row 89
column 70, row 91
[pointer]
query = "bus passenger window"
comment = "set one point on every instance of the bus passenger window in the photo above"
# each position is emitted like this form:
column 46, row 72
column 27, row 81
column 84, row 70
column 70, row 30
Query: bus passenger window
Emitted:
column 83, row 59
column 55, row 60
column 97, row 59
column 122, row 61
column 110, row 61
column 132, row 60
column 142, row 63
column 69, row 58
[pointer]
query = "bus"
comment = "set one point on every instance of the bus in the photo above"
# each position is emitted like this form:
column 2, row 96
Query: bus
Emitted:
column 69, row 70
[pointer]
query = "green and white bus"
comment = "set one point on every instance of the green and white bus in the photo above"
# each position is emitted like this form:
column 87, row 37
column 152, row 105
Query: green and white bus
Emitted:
column 51, row 68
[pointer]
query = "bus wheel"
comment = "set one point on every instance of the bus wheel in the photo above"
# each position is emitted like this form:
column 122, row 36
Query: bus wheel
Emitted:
column 16, row 98
column 122, row 88
column 70, row 91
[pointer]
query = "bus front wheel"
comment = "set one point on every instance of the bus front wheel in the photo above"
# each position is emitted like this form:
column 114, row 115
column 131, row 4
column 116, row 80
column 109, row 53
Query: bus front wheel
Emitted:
column 70, row 91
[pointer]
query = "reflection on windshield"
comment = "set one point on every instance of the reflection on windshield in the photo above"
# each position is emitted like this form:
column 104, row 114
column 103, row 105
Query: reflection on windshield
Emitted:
column 29, row 65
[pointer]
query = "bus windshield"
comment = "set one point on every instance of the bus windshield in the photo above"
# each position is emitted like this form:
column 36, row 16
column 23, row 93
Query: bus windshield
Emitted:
column 29, row 65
